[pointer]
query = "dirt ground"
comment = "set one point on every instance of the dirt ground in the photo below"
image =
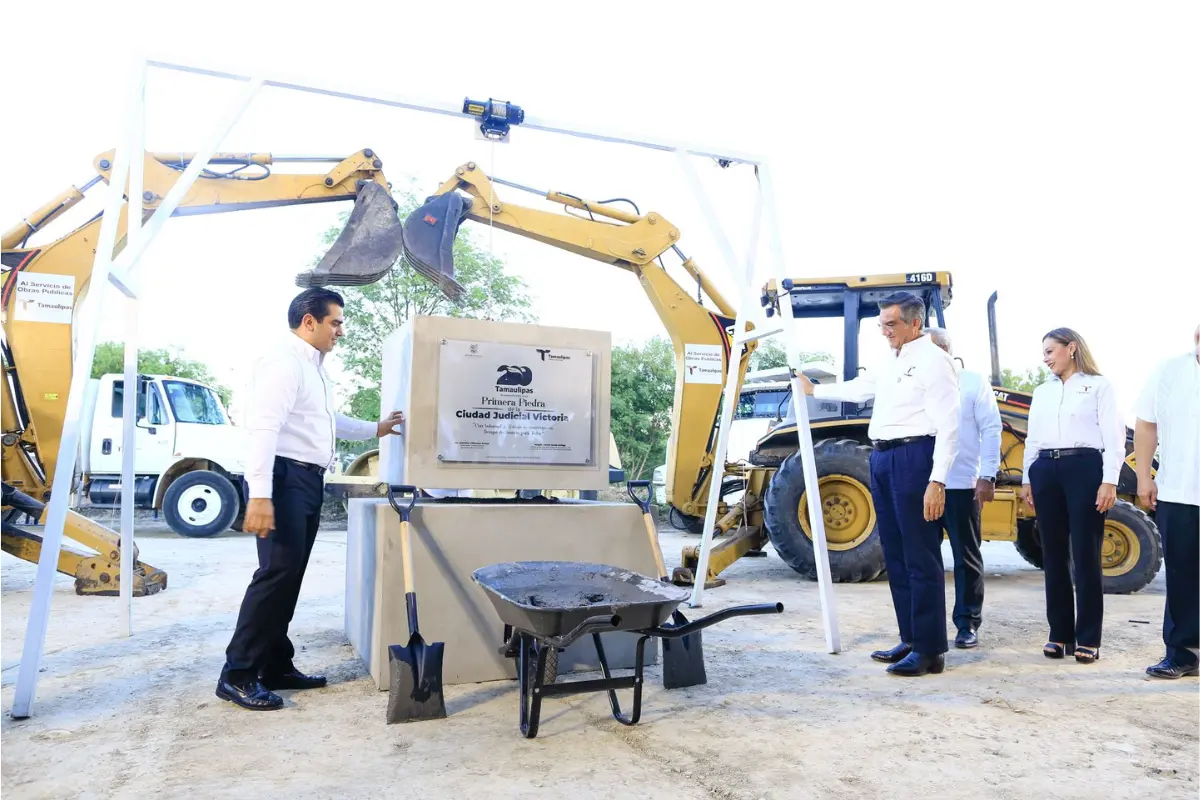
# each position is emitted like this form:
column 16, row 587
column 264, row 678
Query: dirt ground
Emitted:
column 779, row 718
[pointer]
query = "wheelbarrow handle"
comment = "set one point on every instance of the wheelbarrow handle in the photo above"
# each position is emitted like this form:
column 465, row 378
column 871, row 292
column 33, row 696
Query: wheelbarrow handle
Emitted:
column 589, row 625
column 403, row 511
column 675, row 632
column 644, row 504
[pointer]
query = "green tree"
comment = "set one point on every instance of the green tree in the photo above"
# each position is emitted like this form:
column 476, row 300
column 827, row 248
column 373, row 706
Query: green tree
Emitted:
column 374, row 311
column 643, row 388
column 1025, row 381
column 110, row 358
column 771, row 353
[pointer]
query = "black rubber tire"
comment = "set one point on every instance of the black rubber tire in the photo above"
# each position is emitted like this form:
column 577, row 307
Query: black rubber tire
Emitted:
column 1029, row 542
column 1029, row 545
column 834, row 457
column 686, row 522
column 1149, row 559
column 217, row 488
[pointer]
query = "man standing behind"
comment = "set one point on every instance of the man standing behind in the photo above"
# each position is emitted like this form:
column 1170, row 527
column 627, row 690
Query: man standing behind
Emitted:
column 914, row 430
column 292, row 429
column 970, row 484
column 1168, row 414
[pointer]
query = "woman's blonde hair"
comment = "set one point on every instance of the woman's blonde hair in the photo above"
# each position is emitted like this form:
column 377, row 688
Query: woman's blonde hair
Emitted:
column 1083, row 356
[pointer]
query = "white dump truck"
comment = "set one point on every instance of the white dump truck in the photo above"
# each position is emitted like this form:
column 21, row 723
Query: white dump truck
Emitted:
column 189, row 457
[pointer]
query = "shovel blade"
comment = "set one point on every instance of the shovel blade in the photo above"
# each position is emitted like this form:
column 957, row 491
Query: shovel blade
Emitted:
column 683, row 659
column 415, row 691
column 367, row 247
column 429, row 234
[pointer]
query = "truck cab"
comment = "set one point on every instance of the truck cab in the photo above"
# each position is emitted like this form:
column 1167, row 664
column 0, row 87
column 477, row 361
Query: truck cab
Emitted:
column 189, row 458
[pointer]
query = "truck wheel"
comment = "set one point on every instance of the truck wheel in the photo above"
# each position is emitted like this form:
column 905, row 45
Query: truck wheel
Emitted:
column 1131, row 553
column 851, row 527
column 200, row 503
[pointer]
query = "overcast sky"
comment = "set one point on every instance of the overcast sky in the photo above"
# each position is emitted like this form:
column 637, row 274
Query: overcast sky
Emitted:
column 1044, row 151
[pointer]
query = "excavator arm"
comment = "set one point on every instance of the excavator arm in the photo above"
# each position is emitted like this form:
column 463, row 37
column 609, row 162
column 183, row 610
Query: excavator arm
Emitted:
column 37, row 353
column 631, row 241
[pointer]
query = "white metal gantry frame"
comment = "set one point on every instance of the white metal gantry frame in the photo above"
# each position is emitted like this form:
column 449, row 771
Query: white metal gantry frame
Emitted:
column 128, row 163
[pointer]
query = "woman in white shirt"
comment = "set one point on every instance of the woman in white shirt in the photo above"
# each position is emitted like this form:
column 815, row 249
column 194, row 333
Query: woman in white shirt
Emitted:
column 1073, row 456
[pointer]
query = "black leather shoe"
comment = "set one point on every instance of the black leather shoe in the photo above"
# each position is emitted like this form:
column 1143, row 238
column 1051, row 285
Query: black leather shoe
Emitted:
column 1170, row 670
column 892, row 656
column 966, row 639
column 252, row 695
column 293, row 680
column 915, row 664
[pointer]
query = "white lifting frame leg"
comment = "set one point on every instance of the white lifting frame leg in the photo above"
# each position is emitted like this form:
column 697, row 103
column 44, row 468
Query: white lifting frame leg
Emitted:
column 104, row 268
column 133, row 235
column 730, row 396
column 816, row 514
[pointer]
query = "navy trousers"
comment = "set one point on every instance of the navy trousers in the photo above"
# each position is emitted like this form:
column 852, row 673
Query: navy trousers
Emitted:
column 912, row 547
column 1072, row 533
column 260, row 643
column 1179, row 524
column 962, row 523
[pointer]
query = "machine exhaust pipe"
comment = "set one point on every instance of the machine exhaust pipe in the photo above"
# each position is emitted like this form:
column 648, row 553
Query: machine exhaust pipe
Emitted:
column 993, row 341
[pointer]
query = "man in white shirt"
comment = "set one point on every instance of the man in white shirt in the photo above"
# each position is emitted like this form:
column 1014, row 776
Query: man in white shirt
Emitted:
column 914, row 430
column 970, row 483
column 1168, row 415
column 293, row 427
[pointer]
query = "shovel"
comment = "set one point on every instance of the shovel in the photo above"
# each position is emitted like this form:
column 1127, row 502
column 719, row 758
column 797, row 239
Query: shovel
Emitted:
column 683, row 657
column 416, row 668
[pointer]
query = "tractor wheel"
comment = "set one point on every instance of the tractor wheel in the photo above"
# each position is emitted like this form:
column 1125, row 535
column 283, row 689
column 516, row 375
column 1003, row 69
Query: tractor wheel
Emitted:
column 686, row 522
column 1131, row 553
column 851, row 527
column 1029, row 542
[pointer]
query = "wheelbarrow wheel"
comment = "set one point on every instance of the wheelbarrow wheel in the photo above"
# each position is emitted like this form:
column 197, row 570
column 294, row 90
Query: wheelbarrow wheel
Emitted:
column 551, row 665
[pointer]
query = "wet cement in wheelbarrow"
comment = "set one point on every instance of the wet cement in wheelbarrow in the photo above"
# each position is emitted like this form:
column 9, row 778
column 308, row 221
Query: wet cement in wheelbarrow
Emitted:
column 571, row 585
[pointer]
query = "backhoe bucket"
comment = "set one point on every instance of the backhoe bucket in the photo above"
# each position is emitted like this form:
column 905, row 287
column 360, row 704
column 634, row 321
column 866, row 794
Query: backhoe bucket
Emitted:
column 429, row 234
column 368, row 246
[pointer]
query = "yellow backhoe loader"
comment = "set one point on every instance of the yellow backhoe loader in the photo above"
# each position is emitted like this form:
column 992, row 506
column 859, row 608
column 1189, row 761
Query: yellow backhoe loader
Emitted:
column 773, row 504
column 45, row 284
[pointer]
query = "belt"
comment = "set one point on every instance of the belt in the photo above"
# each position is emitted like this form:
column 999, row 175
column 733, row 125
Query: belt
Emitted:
column 888, row 444
column 1068, row 451
column 314, row 468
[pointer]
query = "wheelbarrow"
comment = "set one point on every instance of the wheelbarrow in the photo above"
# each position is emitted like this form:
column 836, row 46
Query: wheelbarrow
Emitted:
column 547, row 605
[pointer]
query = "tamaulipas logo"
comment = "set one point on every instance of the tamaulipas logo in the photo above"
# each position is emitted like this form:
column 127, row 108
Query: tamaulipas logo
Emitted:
column 514, row 376
column 512, row 380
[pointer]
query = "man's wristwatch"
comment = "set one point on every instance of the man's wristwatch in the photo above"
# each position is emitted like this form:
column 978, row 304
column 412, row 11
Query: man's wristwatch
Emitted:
column 989, row 478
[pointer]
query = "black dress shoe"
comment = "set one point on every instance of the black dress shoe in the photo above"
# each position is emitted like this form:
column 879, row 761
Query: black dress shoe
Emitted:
column 295, row 679
column 892, row 656
column 915, row 664
column 1170, row 670
column 966, row 639
column 252, row 695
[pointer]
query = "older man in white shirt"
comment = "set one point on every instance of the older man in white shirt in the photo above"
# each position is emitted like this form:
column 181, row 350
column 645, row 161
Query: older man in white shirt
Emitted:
column 914, row 430
column 293, row 427
column 970, row 483
column 1168, row 415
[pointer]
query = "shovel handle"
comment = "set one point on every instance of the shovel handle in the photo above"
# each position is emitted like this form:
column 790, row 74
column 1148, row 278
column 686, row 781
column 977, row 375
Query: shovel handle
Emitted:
column 405, row 546
column 651, row 531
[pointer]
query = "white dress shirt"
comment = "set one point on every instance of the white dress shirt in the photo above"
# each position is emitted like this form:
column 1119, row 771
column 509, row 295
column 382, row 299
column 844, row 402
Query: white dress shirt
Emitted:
column 1171, row 400
column 979, row 428
column 291, row 414
column 1079, row 413
column 916, row 394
